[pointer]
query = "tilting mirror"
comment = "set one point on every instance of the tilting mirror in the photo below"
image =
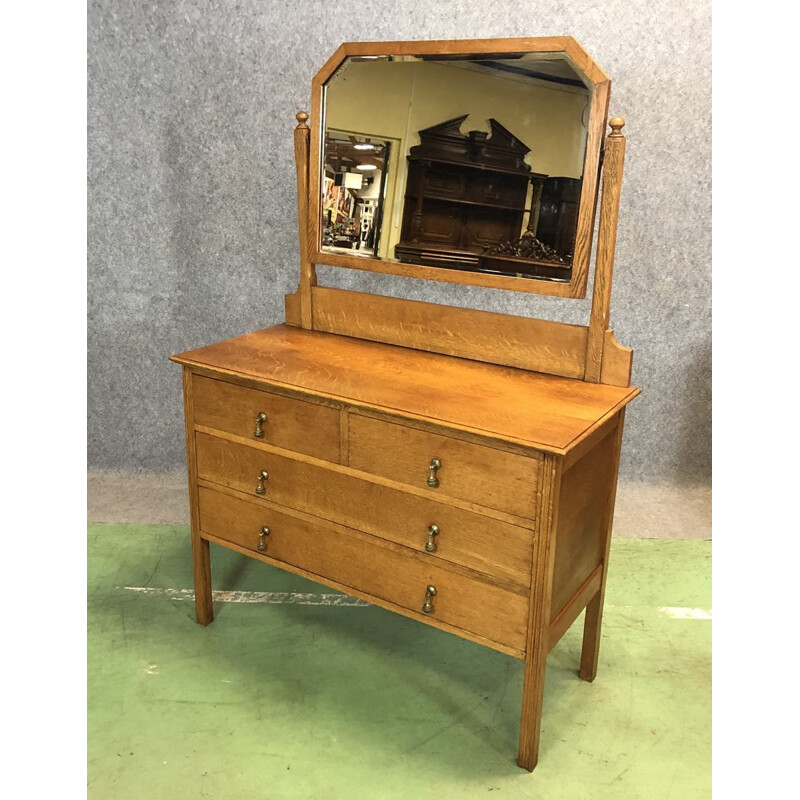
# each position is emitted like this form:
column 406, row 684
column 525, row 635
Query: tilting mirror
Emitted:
column 466, row 162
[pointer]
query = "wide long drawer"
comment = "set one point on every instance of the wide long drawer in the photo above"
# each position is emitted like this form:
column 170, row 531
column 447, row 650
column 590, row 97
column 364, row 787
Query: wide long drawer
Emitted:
column 492, row 546
column 361, row 562
column 483, row 475
column 284, row 422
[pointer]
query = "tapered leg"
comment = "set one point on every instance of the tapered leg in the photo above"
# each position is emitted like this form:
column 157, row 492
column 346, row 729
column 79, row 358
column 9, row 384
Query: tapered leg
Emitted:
column 201, row 557
column 592, row 623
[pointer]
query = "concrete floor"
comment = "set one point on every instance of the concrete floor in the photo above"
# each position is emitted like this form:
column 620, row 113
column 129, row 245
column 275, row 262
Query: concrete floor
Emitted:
column 297, row 692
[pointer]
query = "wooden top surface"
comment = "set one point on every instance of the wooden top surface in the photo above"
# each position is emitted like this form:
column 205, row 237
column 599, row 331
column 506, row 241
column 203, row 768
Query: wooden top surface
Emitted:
column 514, row 405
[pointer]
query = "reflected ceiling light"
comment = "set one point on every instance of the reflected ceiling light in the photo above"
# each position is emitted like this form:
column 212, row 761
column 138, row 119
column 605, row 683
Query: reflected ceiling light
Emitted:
column 364, row 146
column 365, row 167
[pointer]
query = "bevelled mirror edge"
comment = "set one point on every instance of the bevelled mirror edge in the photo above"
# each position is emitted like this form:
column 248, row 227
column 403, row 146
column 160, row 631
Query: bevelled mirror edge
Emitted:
column 571, row 51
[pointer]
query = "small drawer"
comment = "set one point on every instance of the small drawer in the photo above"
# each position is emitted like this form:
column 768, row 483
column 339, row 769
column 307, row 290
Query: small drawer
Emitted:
column 271, row 418
column 482, row 475
column 358, row 561
column 437, row 530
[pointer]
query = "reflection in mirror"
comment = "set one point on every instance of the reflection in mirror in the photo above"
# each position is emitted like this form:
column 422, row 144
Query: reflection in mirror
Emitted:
column 461, row 162
column 354, row 180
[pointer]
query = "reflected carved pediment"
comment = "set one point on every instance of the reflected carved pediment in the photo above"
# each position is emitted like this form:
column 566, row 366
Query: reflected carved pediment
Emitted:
column 499, row 147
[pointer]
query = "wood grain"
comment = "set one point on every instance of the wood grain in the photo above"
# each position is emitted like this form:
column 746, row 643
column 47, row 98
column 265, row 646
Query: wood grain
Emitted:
column 542, row 411
column 617, row 362
column 291, row 309
column 201, row 557
column 580, row 537
column 593, row 620
column 606, row 247
column 390, row 513
column 291, row 424
column 483, row 475
column 360, row 561
column 308, row 275
column 553, row 348
column 424, row 494
column 537, row 642
column 572, row 610
column 587, row 206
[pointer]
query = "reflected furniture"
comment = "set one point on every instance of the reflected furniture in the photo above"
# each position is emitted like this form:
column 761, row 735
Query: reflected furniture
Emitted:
column 558, row 214
column 454, row 466
column 464, row 194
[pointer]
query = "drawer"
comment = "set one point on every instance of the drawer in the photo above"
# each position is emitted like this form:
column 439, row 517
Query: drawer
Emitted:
column 493, row 547
column 361, row 562
column 482, row 475
column 290, row 424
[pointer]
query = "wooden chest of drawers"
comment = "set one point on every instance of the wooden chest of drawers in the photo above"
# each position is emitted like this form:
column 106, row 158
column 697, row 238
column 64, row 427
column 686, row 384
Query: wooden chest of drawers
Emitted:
column 475, row 498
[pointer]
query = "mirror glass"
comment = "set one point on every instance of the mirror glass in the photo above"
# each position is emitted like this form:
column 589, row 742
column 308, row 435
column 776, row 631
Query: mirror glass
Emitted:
column 456, row 161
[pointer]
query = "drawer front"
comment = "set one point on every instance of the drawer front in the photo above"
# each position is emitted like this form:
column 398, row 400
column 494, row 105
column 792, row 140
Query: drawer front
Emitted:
column 495, row 548
column 482, row 475
column 290, row 424
column 355, row 561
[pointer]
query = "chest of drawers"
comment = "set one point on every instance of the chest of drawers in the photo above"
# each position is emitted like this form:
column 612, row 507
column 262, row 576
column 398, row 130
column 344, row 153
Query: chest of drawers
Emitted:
column 455, row 466
column 476, row 499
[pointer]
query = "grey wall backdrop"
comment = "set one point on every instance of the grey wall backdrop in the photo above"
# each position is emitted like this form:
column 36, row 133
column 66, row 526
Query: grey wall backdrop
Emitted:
column 192, row 226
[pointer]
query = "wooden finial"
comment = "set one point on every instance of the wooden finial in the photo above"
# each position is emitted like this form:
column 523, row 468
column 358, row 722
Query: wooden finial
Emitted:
column 302, row 118
column 616, row 123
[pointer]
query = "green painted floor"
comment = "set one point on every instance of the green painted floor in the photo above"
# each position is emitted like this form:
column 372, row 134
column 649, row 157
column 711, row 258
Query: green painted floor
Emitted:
column 291, row 700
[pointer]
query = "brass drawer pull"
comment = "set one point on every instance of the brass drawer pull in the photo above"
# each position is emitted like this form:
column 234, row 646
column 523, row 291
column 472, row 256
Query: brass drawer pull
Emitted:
column 433, row 530
column 434, row 466
column 260, row 488
column 430, row 593
column 262, row 545
column 260, row 420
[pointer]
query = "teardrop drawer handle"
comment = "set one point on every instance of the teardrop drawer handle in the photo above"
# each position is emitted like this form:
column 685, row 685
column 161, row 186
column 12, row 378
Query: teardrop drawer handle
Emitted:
column 262, row 544
column 430, row 593
column 433, row 530
column 434, row 467
column 260, row 488
column 260, row 420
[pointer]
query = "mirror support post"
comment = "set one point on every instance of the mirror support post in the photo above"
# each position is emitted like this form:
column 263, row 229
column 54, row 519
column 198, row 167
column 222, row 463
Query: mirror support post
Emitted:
column 606, row 245
column 308, row 275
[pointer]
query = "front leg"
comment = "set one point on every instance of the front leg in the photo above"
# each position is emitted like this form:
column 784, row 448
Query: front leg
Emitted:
column 537, row 644
column 532, row 699
column 201, row 557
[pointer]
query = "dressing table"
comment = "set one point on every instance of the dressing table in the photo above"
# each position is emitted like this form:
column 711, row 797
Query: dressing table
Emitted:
column 454, row 466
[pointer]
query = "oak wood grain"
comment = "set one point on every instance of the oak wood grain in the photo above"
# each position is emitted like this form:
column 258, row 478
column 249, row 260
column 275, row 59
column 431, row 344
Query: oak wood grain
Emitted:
column 543, row 411
column 613, row 163
column 590, row 651
column 553, row 348
column 340, row 469
column 617, row 362
column 360, row 561
column 572, row 609
column 291, row 424
column 308, row 276
column 579, row 541
column 483, row 475
column 538, row 635
column 201, row 557
column 497, row 549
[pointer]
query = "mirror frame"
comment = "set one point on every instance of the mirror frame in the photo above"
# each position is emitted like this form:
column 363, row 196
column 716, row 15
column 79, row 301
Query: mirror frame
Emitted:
column 598, row 113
